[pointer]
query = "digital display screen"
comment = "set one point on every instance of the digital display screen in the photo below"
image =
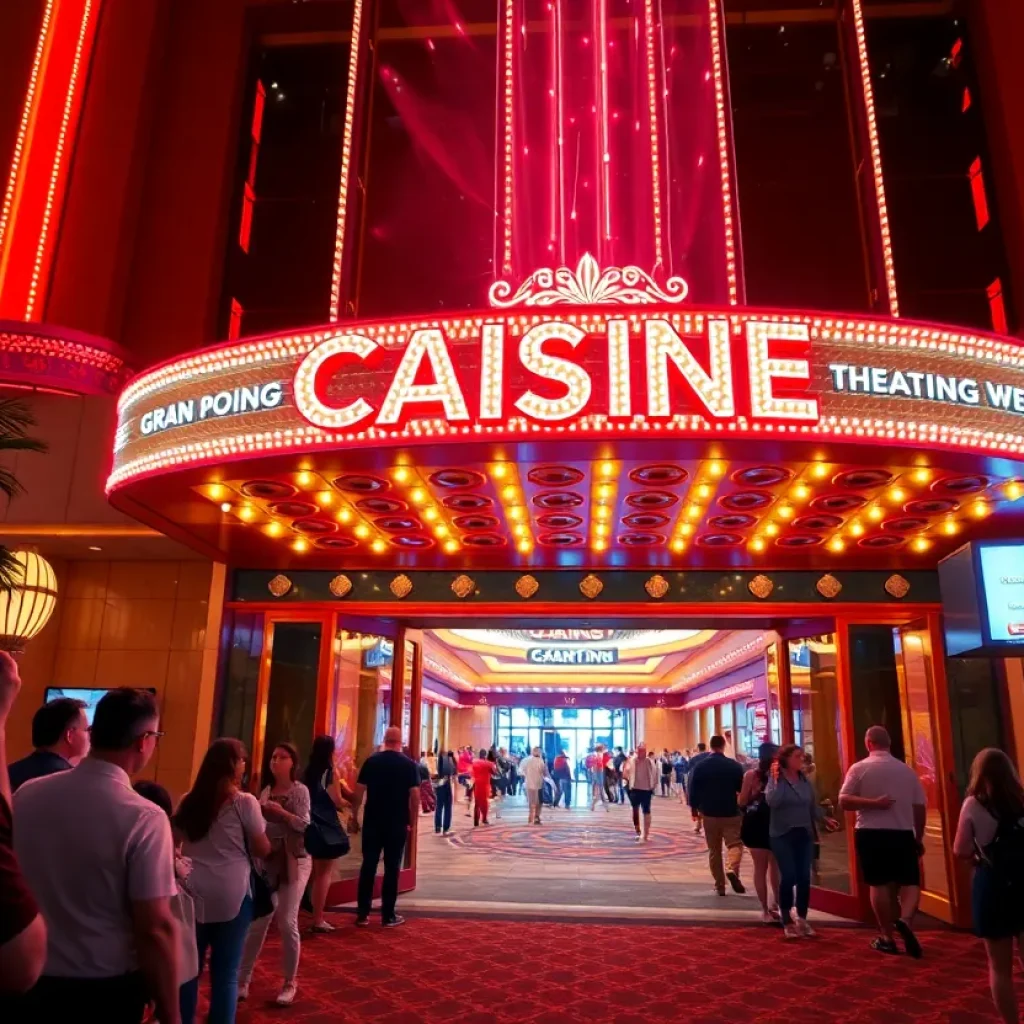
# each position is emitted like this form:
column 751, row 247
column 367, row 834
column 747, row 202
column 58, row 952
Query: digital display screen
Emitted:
column 91, row 697
column 1002, row 590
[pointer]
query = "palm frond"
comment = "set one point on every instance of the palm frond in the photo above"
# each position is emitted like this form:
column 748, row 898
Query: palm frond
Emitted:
column 11, row 571
column 15, row 421
column 10, row 443
column 15, row 416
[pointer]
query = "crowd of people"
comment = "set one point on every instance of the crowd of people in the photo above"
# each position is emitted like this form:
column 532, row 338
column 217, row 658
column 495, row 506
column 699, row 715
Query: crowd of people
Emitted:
column 114, row 901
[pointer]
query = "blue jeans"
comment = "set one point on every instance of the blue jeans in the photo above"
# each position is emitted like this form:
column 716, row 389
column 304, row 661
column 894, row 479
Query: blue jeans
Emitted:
column 443, row 810
column 564, row 792
column 793, row 852
column 225, row 940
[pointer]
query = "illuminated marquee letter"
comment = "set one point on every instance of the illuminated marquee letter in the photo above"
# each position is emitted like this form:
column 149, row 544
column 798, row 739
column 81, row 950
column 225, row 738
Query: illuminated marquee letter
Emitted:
column 619, row 400
column 427, row 344
column 765, row 368
column 575, row 378
column 306, row 399
column 714, row 390
column 492, row 343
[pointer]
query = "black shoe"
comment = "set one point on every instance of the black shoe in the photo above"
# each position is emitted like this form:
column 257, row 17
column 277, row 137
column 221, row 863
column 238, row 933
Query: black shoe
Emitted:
column 362, row 922
column 394, row 922
column 885, row 946
column 734, row 881
column 912, row 946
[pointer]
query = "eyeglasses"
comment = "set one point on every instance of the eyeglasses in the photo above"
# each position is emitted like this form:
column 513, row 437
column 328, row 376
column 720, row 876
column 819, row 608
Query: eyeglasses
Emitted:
column 154, row 733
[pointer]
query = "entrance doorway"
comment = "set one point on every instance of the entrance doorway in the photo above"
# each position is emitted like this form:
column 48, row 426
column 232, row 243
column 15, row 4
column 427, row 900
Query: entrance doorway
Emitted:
column 452, row 681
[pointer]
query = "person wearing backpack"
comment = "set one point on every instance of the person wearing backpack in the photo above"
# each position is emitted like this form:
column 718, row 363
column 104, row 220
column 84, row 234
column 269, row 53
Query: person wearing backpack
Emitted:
column 891, row 812
column 990, row 834
column 754, row 831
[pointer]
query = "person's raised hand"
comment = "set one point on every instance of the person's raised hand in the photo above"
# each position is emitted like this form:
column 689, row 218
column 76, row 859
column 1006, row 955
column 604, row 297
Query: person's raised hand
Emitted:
column 10, row 684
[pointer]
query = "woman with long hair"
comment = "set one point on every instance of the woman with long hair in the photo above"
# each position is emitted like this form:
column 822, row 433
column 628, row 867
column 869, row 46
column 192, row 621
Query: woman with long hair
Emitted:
column 222, row 829
column 326, row 798
column 754, row 832
column 792, row 827
column 285, row 804
column 990, row 834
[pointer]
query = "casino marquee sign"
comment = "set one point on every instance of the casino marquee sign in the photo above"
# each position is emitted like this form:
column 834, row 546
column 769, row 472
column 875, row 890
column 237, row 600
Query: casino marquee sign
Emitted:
column 601, row 373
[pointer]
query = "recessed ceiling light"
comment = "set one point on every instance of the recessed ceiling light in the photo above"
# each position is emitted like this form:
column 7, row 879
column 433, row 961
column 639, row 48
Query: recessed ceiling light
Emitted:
column 93, row 547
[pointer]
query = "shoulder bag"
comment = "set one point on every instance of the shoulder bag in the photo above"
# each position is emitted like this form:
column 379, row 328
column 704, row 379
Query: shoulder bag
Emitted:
column 259, row 887
column 325, row 839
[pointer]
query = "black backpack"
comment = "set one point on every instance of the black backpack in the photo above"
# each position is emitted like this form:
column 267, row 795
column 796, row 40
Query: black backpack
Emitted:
column 1005, row 855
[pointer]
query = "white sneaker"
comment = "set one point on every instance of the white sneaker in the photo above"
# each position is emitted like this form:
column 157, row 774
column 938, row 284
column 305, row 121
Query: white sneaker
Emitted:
column 287, row 995
column 804, row 928
column 639, row 838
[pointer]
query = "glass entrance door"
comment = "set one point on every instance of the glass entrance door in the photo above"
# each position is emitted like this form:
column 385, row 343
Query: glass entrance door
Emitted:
column 922, row 750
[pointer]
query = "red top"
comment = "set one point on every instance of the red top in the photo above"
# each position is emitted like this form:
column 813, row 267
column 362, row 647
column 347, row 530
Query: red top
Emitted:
column 465, row 762
column 17, row 907
column 482, row 772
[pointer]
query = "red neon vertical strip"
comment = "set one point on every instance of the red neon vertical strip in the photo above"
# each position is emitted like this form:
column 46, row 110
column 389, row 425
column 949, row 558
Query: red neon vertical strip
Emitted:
column 728, row 218
column 604, row 231
column 560, row 105
column 258, row 107
column 977, row 179
column 509, row 135
column 34, row 197
column 355, row 53
column 245, row 226
column 235, row 321
column 997, row 307
column 876, row 156
column 555, row 128
column 652, row 114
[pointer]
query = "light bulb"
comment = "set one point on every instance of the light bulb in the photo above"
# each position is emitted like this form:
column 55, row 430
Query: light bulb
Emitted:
column 430, row 514
column 771, row 529
column 451, row 546
column 509, row 493
column 226, row 506
column 857, row 530
column 345, row 515
column 716, row 468
column 524, row 546
column 950, row 528
column 300, row 545
column 274, row 529
column 418, row 495
column 1014, row 490
column 325, row 497
column 362, row 531
column 607, row 468
column 401, row 474
column 921, row 544
column 305, row 478
column 801, row 492
column 922, row 476
column 836, row 544
column 704, row 491
column 897, row 494
column 876, row 513
column 786, row 512
column 499, row 471
column 821, row 470
column 757, row 544
column 378, row 546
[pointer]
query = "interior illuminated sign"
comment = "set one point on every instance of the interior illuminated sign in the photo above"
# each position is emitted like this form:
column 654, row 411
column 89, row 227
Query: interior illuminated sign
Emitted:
column 216, row 405
column 570, row 635
column 572, row 656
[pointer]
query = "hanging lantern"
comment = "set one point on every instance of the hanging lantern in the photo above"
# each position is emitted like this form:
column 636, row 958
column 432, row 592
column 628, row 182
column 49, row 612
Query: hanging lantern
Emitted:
column 26, row 608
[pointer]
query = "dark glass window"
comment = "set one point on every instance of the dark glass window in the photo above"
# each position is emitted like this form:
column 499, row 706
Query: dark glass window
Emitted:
column 799, row 211
column 284, row 213
column 945, row 237
column 240, row 661
column 875, row 686
column 975, row 711
column 428, row 237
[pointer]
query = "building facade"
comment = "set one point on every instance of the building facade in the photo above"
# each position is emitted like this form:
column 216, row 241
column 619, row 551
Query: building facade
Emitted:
column 349, row 321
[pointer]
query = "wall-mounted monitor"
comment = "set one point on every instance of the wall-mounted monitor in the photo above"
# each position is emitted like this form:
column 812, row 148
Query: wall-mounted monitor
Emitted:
column 982, row 588
column 90, row 695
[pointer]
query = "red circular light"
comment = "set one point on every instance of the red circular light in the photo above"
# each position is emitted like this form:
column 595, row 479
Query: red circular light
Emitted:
column 314, row 526
column 559, row 499
column 456, row 479
column 762, row 476
column 744, row 501
column 293, row 509
column 641, row 540
column 394, row 524
column 660, row 475
column 838, row 502
column 475, row 522
column 960, row 485
column 268, row 490
column 381, row 506
column 736, row 521
column 563, row 539
column 467, row 502
column 644, row 520
column 361, row 484
column 797, row 540
column 555, row 476
column 559, row 521
column 817, row 522
column 651, row 499
column 719, row 540
column 862, row 479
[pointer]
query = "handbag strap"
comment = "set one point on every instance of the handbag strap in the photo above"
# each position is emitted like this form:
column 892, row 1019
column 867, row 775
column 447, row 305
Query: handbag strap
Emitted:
column 245, row 838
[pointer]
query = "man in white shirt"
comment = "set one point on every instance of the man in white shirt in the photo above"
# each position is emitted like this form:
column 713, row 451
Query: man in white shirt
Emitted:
column 99, row 859
column 534, row 771
column 891, row 811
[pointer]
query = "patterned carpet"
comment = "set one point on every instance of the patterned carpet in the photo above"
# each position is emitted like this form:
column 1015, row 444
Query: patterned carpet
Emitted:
column 607, row 840
column 464, row 971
